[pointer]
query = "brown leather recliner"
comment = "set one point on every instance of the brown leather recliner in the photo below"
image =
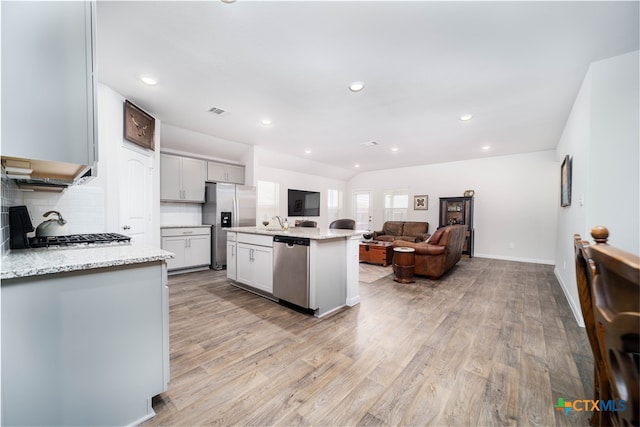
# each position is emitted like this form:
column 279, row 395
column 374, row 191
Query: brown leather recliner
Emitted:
column 440, row 254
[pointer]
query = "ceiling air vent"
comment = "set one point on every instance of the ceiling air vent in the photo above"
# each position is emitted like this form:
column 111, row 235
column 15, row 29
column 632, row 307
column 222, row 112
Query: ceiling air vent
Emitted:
column 218, row 111
column 369, row 144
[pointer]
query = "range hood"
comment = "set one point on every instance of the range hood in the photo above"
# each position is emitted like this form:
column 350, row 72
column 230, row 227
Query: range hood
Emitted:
column 41, row 175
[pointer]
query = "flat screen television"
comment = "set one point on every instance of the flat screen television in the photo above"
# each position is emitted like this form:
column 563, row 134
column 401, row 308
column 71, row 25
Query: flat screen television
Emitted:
column 303, row 203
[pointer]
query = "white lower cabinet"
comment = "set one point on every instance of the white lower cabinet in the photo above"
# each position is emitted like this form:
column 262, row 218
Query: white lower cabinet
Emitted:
column 255, row 264
column 191, row 246
column 232, row 255
column 177, row 246
column 88, row 347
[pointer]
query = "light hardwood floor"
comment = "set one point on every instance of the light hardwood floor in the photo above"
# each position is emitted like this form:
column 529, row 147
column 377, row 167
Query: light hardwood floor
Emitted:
column 492, row 343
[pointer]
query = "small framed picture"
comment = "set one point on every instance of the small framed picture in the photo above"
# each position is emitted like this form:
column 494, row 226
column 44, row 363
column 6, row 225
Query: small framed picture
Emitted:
column 138, row 126
column 420, row 203
column 565, row 182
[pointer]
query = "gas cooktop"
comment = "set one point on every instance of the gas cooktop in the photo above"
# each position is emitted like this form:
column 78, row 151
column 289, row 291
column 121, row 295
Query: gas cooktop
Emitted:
column 77, row 239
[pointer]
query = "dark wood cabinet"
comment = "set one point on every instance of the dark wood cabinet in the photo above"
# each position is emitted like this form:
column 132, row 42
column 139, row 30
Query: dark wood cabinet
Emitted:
column 458, row 210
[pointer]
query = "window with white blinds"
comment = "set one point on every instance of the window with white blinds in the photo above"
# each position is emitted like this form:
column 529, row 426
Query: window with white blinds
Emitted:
column 334, row 205
column 396, row 205
column 268, row 201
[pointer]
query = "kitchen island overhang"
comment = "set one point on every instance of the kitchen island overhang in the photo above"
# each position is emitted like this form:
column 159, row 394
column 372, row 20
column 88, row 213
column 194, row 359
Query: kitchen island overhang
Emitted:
column 85, row 334
column 332, row 264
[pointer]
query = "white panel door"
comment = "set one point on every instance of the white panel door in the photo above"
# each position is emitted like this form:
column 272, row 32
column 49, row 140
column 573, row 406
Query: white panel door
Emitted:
column 362, row 201
column 136, row 191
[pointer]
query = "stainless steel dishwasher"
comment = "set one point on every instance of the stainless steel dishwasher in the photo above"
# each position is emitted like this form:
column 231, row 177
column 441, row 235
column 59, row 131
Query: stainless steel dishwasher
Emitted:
column 291, row 269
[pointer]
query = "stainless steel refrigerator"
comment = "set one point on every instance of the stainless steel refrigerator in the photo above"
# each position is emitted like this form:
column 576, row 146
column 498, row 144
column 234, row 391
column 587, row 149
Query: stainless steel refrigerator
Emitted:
column 227, row 205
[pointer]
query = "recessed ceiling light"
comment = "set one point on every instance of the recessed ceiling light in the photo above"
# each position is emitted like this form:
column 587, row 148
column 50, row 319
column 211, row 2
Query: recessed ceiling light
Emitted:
column 394, row 149
column 356, row 165
column 266, row 122
column 356, row 86
column 466, row 117
column 307, row 151
column 486, row 147
column 228, row 1
column 148, row 80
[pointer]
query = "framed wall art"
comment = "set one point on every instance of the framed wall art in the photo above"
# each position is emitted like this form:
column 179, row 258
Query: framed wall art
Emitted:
column 565, row 182
column 139, row 126
column 420, row 203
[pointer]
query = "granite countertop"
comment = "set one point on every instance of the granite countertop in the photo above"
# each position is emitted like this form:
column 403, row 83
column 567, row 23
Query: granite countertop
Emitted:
column 309, row 233
column 36, row 262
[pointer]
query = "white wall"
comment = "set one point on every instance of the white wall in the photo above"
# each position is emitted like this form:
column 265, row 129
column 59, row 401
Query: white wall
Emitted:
column 300, row 181
column 515, row 201
column 94, row 207
column 613, row 197
column 602, row 136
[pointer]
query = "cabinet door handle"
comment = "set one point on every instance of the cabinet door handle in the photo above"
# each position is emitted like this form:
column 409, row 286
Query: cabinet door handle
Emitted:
column 233, row 251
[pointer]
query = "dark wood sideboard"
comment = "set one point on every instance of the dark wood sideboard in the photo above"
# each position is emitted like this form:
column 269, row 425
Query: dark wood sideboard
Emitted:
column 459, row 210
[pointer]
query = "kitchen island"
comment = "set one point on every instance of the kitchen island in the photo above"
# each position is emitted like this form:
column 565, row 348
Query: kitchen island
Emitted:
column 85, row 334
column 332, row 264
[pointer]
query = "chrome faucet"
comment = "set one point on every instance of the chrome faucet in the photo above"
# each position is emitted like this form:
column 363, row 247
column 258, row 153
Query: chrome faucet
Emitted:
column 279, row 221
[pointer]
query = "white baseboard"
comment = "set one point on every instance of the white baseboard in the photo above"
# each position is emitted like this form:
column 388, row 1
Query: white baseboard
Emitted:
column 577, row 312
column 353, row 301
column 517, row 259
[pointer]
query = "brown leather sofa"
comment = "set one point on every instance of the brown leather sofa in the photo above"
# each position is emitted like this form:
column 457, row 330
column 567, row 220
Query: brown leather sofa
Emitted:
column 405, row 230
column 440, row 254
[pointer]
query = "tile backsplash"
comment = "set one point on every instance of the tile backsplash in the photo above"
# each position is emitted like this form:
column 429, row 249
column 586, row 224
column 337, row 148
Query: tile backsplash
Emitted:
column 11, row 196
column 83, row 207
column 180, row 214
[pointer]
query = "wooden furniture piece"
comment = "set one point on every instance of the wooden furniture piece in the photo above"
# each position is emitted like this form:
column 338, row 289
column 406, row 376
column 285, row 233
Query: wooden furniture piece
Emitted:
column 415, row 231
column 616, row 297
column 345, row 223
column 459, row 210
column 376, row 252
column 443, row 251
column 585, row 270
column 403, row 264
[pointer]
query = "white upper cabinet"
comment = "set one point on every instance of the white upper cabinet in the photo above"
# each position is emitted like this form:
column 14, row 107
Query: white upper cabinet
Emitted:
column 181, row 179
column 193, row 179
column 48, row 87
column 223, row 172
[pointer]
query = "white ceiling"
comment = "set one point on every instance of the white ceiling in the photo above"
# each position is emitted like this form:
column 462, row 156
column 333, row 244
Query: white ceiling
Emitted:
column 516, row 66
